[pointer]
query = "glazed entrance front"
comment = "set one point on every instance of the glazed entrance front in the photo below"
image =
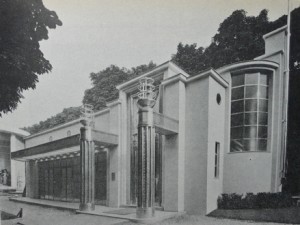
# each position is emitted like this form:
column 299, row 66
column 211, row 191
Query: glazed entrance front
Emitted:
column 59, row 179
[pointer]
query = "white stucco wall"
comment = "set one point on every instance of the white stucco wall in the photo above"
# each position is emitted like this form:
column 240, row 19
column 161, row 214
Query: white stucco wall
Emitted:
column 102, row 121
column 56, row 133
column 17, row 167
column 216, row 130
column 247, row 172
column 276, row 51
column 170, row 176
column 196, row 146
column 275, row 41
column 114, row 159
column 171, row 187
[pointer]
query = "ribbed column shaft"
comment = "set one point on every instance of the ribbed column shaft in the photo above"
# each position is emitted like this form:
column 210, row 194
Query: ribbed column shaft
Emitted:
column 146, row 164
column 87, row 166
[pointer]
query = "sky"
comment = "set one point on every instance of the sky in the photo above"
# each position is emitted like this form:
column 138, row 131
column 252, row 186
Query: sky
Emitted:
column 98, row 33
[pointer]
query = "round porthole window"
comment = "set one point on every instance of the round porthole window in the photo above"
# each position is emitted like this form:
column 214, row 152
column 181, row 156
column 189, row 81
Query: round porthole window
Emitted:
column 218, row 99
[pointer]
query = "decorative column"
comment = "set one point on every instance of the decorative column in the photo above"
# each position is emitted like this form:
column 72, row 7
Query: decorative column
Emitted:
column 87, row 161
column 146, row 150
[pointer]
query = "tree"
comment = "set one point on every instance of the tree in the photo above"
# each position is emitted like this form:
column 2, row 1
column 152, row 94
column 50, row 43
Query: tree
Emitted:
column 105, row 82
column 190, row 58
column 103, row 90
column 239, row 38
column 293, row 156
column 23, row 23
column 68, row 114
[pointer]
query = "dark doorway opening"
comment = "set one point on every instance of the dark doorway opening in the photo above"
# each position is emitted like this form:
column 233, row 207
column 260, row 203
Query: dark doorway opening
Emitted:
column 60, row 179
column 100, row 177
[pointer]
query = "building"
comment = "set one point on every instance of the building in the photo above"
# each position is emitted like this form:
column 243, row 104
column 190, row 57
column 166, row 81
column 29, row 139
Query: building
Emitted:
column 217, row 132
column 11, row 140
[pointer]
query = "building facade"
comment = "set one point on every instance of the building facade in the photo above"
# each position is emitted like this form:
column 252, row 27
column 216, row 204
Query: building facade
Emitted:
column 217, row 132
column 12, row 171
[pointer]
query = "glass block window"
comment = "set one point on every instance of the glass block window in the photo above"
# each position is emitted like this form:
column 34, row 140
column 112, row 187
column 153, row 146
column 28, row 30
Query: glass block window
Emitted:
column 249, row 112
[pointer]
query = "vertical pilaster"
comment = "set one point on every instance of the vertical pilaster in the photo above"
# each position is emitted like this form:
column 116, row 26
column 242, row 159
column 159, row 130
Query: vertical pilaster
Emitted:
column 32, row 179
column 87, row 165
column 181, row 145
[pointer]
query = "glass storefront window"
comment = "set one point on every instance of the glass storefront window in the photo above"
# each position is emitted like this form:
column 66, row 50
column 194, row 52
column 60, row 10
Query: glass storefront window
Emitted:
column 249, row 112
column 237, row 106
column 237, row 93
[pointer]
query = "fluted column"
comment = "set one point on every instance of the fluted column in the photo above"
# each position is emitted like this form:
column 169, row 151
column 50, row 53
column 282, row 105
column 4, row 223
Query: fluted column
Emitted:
column 146, row 160
column 87, row 166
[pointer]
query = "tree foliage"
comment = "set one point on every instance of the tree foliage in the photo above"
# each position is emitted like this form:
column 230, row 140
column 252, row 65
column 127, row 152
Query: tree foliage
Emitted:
column 103, row 90
column 23, row 23
column 68, row 114
column 293, row 156
column 105, row 82
column 239, row 38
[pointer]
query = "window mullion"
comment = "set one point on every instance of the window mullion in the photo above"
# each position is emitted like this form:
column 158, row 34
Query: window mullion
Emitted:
column 244, row 114
column 258, row 103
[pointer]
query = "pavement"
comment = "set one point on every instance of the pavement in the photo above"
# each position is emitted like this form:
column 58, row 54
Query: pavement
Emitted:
column 6, row 188
column 126, row 213
column 37, row 215
column 205, row 220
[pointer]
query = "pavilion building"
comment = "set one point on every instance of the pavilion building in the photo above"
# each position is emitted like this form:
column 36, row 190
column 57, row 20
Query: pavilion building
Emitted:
column 216, row 132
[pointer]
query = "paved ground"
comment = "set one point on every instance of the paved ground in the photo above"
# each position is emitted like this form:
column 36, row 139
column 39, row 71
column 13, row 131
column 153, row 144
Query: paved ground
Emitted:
column 204, row 220
column 36, row 215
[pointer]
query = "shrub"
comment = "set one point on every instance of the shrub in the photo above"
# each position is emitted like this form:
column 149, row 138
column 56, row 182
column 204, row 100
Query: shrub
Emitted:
column 230, row 201
column 254, row 201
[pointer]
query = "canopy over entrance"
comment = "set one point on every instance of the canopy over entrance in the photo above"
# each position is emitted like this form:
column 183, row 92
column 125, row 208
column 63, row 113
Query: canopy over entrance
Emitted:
column 63, row 146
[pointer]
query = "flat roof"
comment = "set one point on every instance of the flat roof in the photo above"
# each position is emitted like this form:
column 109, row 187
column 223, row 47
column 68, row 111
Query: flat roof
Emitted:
column 12, row 130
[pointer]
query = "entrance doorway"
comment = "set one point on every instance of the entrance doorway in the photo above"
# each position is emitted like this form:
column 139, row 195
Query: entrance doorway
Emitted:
column 101, row 177
column 60, row 179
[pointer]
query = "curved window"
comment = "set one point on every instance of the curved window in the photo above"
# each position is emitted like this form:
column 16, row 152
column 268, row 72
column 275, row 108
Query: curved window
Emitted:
column 68, row 133
column 249, row 112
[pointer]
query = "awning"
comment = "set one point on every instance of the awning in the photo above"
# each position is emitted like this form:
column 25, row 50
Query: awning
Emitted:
column 63, row 146
column 43, row 149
